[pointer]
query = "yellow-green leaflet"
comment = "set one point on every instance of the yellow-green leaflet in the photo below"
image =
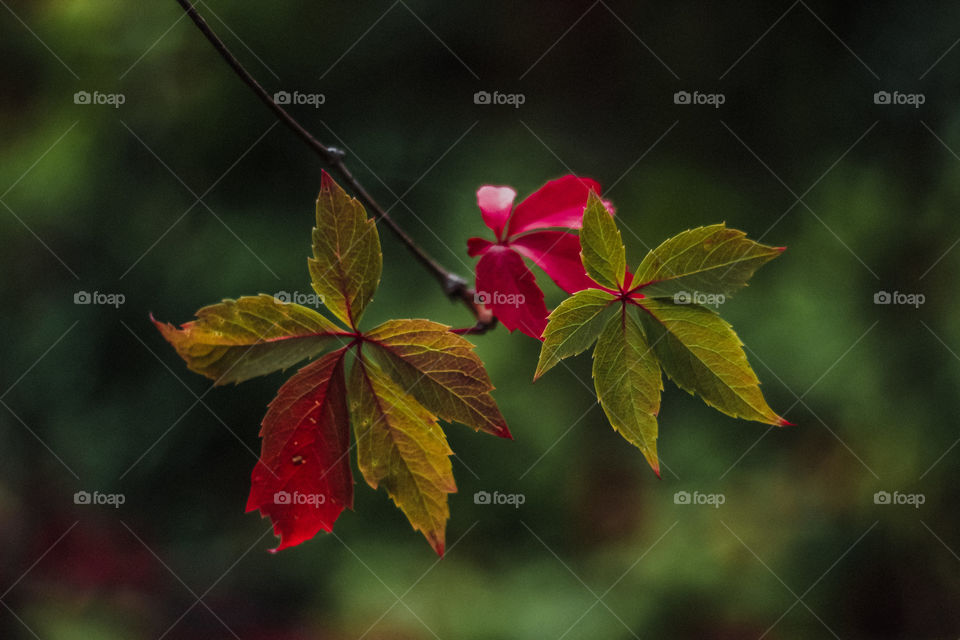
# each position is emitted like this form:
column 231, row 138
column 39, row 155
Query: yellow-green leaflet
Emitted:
column 346, row 264
column 627, row 377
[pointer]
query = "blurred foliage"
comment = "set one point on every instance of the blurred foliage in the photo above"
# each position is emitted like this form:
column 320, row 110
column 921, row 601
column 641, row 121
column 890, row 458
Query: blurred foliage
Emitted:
column 96, row 401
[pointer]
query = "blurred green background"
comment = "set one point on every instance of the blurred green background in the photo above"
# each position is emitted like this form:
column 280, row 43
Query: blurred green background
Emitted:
column 98, row 198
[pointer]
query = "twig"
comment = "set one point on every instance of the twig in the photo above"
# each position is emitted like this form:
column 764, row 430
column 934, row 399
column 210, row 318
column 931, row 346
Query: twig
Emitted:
column 453, row 285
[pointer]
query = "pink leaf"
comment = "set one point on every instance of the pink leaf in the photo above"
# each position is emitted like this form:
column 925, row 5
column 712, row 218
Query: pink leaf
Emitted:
column 508, row 287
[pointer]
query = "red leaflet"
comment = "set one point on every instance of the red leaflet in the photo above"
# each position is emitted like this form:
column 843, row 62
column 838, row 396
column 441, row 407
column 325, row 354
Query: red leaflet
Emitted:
column 508, row 287
column 558, row 254
column 303, row 479
column 525, row 230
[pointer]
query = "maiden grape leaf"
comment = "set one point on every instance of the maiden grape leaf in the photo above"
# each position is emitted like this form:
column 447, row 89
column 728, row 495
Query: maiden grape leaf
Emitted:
column 697, row 349
column 302, row 481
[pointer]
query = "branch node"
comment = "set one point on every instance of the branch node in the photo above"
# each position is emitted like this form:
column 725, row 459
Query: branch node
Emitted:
column 454, row 285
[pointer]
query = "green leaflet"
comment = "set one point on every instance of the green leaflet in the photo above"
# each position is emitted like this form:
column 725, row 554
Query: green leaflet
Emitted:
column 627, row 377
column 711, row 259
column 573, row 326
column 602, row 251
column 440, row 370
column 240, row 339
column 702, row 354
column 401, row 446
column 347, row 262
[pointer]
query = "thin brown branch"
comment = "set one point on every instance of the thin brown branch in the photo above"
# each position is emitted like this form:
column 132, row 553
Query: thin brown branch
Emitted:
column 453, row 285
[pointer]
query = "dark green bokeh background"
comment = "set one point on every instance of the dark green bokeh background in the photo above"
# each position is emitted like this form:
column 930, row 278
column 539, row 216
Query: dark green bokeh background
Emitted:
column 111, row 408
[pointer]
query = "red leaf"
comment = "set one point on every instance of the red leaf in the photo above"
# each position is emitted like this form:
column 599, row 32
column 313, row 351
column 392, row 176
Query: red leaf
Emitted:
column 559, row 203
column 508, row 287
column 303, row 479
column 558, row 254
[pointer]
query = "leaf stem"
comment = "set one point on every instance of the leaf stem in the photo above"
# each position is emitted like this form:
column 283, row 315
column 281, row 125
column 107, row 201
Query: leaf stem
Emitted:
column 453, row 285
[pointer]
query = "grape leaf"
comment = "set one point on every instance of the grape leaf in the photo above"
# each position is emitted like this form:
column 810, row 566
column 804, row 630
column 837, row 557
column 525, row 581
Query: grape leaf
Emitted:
column 302, row 480
column 711, row 259
column 240, row 339
column 346, row 264
column 627, row 378
column 401, row 446
column 697, row 349
column 604, row 256
column 441, row 370
column 701, row 353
